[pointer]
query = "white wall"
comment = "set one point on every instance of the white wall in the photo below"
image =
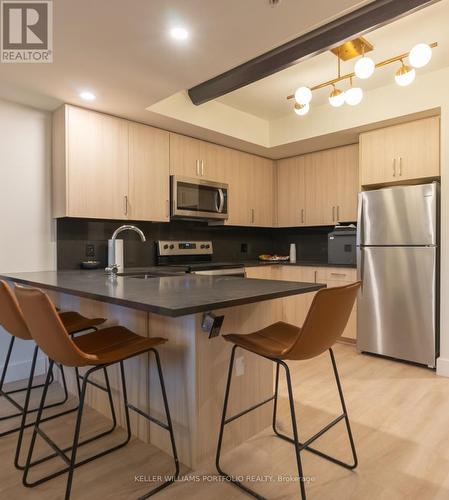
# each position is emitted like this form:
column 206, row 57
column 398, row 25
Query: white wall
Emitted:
column 27, row 239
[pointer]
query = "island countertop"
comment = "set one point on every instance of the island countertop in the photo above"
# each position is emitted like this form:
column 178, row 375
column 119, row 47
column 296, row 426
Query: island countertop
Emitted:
column 176, row 295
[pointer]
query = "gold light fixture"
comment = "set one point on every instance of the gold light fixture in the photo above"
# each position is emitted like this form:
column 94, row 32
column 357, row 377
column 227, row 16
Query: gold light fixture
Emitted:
column 419, row 56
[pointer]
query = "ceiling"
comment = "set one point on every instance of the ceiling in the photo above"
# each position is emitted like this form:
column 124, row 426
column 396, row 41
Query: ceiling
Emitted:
column 267, row 98
column 122, row 52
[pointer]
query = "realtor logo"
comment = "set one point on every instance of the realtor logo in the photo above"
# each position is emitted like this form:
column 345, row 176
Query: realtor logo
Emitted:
column 26, row 31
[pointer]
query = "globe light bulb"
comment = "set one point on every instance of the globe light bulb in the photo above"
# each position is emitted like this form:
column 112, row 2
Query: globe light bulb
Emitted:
column 364, row 67
column 303, row 95
column 405, row 75
column 420, row 55
column 337, row 98
column 302, row 109
column 353, row 96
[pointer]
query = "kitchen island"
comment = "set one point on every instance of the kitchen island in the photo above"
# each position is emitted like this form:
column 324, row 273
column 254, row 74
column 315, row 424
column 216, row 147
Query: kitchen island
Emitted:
column 195, row 367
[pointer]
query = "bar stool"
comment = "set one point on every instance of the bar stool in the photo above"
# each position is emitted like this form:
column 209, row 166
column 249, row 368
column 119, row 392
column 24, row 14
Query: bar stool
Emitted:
column 281, row 342
column 99, row 350
column 12, row 320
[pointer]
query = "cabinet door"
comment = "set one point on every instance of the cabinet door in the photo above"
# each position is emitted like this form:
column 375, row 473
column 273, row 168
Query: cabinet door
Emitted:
column 319, row 180
column 346, row 183
column 184, row 156
column 214, row 161
column 377, row 157
column 148, row 173
column 261, row 192
column 350, row 331
column 262, row 272
column 418, row 149
column 296, row 307
column 97, row 164
column 291, row 192
column 238, row 176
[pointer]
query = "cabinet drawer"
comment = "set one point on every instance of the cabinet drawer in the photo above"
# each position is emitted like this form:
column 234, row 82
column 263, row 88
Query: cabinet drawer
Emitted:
column 341, row 274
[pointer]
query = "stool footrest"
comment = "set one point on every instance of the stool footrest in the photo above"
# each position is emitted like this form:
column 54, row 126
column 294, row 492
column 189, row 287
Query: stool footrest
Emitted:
column 148, row 416
column 244, row 412
column 53, row 446
column 95, row 384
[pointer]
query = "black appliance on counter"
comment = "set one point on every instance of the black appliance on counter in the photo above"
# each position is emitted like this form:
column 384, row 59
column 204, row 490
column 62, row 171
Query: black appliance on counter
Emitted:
column 341, row 245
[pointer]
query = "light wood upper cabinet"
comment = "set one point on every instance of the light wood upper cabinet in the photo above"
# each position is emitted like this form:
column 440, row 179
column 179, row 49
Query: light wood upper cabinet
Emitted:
column 319, row 188
column 191, row 157
column 291, row 192
column 251, row 190
column 95, row 163
column 149, row 190
column 106, row 167
column 400, row 153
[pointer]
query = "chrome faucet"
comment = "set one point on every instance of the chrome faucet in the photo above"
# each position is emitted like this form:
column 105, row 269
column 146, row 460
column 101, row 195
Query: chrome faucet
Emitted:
column 113, row 268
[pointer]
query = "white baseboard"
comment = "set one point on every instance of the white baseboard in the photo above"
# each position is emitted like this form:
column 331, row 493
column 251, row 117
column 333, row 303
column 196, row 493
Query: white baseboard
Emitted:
column 21, row 370
column 443, row 367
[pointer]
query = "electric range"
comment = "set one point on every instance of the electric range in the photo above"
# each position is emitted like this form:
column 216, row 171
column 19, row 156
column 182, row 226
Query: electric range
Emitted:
column 195, row 257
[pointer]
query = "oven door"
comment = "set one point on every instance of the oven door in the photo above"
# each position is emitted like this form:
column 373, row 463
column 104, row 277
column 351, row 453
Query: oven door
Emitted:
column 198, row 199
column 238, row 272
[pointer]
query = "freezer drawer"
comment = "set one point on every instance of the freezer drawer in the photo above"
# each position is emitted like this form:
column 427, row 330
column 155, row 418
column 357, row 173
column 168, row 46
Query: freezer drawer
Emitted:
column 400, row 215
column 397, row 303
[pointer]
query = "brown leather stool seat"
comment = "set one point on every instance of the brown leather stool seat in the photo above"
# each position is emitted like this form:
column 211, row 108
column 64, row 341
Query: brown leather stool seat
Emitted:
column 97, row 350
column 76, row 322
column 273, row 341
column 281, row 342
column 12, row 320
column 114, row 344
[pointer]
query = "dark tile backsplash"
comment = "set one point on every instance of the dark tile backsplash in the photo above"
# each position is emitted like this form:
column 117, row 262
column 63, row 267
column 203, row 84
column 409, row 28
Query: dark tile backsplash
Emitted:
column 230, row 243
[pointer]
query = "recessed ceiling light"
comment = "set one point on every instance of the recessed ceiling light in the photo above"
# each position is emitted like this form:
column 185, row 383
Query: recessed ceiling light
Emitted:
column 179, row 33
column 87, row 96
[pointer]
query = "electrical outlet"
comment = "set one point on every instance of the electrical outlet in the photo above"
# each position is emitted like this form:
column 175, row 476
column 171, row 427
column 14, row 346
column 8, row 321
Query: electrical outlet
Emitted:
column 90, row 250
column 239, row 366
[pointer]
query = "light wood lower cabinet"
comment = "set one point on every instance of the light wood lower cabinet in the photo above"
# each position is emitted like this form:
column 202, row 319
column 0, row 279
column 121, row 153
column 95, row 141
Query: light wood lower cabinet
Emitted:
column 296, row 307
column 109, row 168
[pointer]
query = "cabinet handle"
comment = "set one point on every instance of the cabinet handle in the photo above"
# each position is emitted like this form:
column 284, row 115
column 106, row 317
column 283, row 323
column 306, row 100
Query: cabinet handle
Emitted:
column 168, row 209
column 252, row 216
column 198, row 167
column 202, row 168
column 338, row 213
column 333, row 214
column 314, row 278
column 400, row 166
column 302, row 216
column 338, row 274
column 125, row 200
column 394, row 167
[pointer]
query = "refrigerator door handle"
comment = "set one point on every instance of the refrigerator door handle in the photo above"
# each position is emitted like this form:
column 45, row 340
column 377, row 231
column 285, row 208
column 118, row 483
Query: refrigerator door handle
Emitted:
column 359, row 233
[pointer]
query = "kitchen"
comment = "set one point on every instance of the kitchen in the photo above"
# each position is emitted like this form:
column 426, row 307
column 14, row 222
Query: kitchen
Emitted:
column 261, row 179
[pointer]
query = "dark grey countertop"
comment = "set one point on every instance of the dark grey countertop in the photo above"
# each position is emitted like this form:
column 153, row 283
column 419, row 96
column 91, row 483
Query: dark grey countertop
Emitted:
column 312, row 263
column 169, row 295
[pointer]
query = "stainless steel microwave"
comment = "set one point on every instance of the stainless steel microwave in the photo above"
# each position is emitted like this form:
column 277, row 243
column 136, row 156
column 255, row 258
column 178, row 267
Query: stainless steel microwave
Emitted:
column 198, row 199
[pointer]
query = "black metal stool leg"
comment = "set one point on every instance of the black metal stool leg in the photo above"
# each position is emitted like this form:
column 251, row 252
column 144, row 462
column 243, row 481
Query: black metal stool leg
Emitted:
column 295, row 429
column 36, row 425
column 345, row 412
column 169, row 428
column 7, row 358
column 76, row 437
column 306, row 444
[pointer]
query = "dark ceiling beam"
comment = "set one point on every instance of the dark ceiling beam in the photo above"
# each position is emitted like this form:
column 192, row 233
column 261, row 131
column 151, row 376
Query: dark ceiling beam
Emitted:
column 358, row 22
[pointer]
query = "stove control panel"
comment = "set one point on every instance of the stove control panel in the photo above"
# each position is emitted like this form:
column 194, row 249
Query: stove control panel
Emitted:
column 168, row 248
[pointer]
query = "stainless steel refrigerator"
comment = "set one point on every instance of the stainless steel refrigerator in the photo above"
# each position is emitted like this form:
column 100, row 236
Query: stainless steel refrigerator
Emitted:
column 397, row 261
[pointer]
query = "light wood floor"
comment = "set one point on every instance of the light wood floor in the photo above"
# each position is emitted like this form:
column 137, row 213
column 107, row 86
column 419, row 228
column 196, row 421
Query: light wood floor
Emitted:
column 400, row 419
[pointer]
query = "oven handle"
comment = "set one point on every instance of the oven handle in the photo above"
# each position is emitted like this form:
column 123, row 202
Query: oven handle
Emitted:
column 222, row 200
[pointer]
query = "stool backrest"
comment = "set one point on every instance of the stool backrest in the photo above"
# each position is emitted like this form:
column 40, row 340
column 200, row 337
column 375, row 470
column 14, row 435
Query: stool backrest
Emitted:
column 47, row 329
column 11, row 317
column 325, row 321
